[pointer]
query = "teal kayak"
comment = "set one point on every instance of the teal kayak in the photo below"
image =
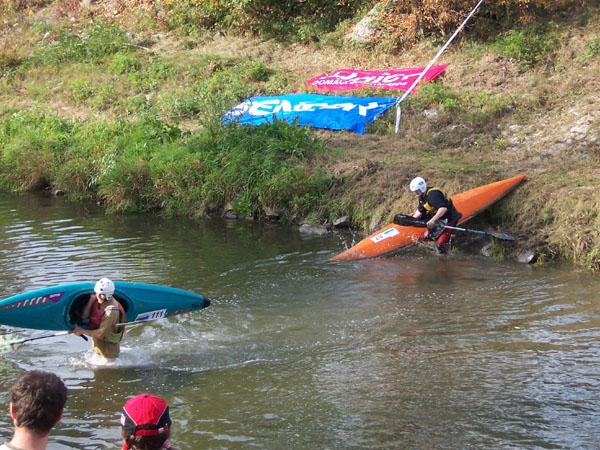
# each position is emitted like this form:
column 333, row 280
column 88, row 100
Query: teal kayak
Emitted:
column 59, row 307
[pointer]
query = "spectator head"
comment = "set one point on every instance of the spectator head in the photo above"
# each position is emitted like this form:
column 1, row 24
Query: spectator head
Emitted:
column 37, row 400
column 145, row 422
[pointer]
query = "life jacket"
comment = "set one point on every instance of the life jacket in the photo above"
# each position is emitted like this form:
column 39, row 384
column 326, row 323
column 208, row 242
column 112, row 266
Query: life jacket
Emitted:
column 431, row 208
column 452, row 215
column 96, row 315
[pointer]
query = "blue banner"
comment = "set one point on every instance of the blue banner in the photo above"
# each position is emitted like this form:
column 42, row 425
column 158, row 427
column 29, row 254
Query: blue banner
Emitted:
column 320, row 111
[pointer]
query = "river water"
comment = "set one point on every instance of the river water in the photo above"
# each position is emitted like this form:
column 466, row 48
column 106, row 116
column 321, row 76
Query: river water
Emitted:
column 297, row 352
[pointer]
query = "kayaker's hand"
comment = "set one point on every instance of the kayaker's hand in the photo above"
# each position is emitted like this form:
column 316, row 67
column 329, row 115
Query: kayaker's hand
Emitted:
column 431, row 223
column 77, row 331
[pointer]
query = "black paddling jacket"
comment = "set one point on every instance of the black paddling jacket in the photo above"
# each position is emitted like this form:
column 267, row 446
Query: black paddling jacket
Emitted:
column 434, row 199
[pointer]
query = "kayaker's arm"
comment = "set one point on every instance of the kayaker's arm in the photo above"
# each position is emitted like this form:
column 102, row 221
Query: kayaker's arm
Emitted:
column 85, row 314
column 78, row 331
column 439, row 214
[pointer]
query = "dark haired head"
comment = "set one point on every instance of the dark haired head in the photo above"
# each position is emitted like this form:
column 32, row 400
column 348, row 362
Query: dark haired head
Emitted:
column 145, row 442
column 38, row 399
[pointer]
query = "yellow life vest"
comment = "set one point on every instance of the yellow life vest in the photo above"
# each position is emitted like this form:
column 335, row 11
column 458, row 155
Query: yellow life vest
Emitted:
column 430, row 208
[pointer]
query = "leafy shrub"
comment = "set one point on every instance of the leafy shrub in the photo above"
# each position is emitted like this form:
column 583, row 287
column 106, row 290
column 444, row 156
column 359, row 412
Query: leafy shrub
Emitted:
column 405, row 22
column 255, row 71
column 9, row 62
column 124, row 62
column 186, row 105
column 309, row 18
column 529, row 45
column 235, row 82
column 194, row 15
column 138, row 105
column 82, row 90
column 593, row 46
column 159, row 70
column 151, row 75
column 432, row 95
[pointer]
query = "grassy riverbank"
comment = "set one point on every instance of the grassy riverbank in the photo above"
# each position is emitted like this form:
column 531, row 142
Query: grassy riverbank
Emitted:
column 117, row 106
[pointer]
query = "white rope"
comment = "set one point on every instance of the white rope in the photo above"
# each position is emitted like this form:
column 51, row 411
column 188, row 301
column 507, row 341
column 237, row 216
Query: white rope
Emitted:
column 398, row 109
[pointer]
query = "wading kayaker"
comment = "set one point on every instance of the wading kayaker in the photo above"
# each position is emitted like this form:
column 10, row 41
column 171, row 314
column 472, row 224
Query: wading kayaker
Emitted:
column 104, row 312
column 438, row 210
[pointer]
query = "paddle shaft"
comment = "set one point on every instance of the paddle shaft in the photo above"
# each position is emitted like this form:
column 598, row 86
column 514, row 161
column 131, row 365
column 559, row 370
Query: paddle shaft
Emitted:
column 401, row 219
column 7, row 346
column 502, row 236
column 60, row 333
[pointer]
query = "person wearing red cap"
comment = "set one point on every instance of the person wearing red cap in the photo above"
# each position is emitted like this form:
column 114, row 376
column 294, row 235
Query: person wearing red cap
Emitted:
column 145, row 423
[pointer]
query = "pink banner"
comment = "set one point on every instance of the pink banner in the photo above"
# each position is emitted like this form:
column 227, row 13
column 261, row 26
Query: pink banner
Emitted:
column 348, row 79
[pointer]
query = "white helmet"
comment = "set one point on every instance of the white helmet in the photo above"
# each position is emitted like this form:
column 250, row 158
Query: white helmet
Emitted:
column 418, row 184
column 104, row 286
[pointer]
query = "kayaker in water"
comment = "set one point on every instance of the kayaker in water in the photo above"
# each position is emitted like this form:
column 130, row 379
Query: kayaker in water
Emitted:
column 145, row 423
column 438, row 210
column 104, row 312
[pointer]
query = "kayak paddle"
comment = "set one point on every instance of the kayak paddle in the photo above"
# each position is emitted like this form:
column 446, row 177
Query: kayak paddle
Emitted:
column 409, row 221
column 12, row 341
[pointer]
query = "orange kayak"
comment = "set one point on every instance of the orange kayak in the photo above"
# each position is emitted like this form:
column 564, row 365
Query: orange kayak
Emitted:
column 394, row 237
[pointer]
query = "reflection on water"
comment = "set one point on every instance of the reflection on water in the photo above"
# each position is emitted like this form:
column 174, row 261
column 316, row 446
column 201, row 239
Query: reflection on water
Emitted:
column 296, row 351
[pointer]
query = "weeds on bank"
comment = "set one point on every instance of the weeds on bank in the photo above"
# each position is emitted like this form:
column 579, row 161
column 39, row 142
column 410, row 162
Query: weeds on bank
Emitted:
column 569, row 222
column 497, row 250
column 306, row 21
column 107, row 73
column 593, row 46
column 577, row 233
column 151, row 166
column 477, row 110
column 530, row 44
column 91, row 45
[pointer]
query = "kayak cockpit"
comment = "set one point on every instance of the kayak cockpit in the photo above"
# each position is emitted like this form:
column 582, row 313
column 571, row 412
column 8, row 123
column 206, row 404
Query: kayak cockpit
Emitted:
column 76, row 309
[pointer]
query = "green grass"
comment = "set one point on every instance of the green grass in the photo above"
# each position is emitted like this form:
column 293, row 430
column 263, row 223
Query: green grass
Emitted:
column 476, row 109
column 125, row 62
column 529, row 45
column 99, row 70
column 9, row 63
column 151, row 166
column 90, row 45
column 593, row 46
column 305, row 21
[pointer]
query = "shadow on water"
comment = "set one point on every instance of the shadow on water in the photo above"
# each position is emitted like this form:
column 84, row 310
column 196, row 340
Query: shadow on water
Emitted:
column 413, row 351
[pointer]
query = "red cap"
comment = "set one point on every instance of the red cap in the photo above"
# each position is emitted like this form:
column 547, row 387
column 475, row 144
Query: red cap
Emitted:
column 145, row 415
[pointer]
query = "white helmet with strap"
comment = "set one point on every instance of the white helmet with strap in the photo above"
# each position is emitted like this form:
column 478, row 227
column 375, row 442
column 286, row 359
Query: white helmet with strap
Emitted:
column 104, row 286
column 418, row 184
